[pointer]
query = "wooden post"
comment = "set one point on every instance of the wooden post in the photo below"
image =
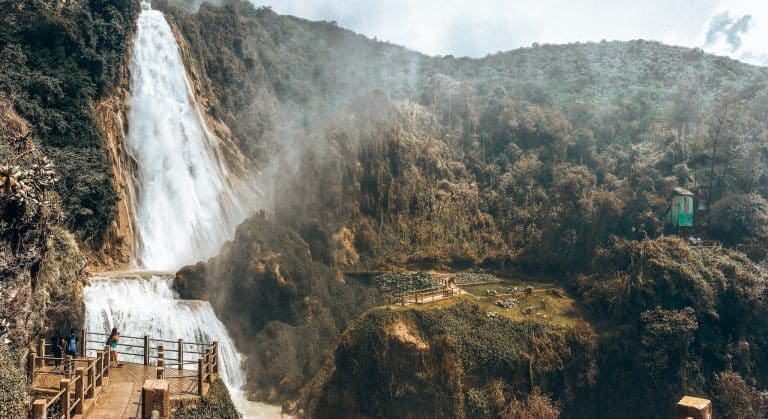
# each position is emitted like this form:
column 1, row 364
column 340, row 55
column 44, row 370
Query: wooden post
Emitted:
column 200, row 373
column 80, row 389
column 208, row 362
column 91, row 393
column 155, row 399
column 181, row 354
column 108, row 352
column 160, row 373
column 100, row 368
column 31, row 363
column 694, row 407
column 83, row 337
column 41, row 353
column 160, row 354
column 38, row 409
column 146, row 350
column 64, row 402
column 161, row 362
column 68, row 366
column 215, row 357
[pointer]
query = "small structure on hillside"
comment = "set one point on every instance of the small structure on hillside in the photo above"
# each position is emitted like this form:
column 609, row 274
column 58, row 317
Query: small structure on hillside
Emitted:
column 680, row 212
column 694, row 408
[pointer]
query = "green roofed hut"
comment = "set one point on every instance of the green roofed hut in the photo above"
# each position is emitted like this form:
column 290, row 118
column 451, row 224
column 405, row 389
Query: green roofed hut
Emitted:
column 680, row 212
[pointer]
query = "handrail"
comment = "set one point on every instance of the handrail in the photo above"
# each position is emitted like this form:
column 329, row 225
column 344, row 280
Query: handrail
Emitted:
column 55, row 398
column 121, row 336
column 185, row 343
column 74, row 404
column 82, row 382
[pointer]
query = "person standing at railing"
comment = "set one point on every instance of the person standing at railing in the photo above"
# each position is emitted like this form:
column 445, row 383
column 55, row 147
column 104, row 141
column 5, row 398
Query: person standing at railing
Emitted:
column 114, row 337
column 72, row 339
column 57, row 347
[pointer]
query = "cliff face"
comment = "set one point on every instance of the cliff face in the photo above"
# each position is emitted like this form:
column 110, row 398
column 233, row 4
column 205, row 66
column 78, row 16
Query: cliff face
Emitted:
column 58, row 61
column 284, row 310
column 41, row 266
column 110, row 114
column 456, row 361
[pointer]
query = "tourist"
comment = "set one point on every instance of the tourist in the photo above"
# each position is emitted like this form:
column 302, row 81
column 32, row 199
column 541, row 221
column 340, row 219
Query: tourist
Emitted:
column 114, row 337
column 72, row 339
column 57, row 345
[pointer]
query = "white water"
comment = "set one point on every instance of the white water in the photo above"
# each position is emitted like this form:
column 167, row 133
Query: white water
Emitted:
column 112, row 302
column 140, row 304
column 186, row 205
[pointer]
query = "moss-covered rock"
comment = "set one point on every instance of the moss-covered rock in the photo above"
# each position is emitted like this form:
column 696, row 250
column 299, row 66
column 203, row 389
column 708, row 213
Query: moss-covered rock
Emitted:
column 452, row 362
column 216, row 404
column 284, row 310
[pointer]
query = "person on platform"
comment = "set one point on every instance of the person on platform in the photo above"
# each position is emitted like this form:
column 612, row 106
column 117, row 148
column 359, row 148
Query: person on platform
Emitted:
column 72, row 340
column 114, row 338
column 57, row 348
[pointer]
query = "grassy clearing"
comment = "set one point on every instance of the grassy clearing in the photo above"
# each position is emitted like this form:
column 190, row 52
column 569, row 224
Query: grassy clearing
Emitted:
column 548, row 308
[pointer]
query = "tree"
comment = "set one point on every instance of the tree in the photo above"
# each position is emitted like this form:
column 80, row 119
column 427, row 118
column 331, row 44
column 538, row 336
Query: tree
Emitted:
column 665, row 336
column 722, row 141
column 739, row 218
column 736, row 399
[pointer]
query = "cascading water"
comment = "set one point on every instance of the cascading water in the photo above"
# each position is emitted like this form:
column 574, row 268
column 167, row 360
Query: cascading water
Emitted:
column 112, row 300
column 186, row 204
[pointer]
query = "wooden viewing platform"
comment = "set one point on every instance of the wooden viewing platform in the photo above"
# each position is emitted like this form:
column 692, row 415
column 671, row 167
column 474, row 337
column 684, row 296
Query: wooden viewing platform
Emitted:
column 87, row 387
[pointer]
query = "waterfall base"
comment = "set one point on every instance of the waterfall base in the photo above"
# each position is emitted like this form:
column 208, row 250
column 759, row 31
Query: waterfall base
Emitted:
column 143, row 304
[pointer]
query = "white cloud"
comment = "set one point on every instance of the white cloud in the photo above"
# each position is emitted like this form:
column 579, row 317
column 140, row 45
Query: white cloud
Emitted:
column 739, row 29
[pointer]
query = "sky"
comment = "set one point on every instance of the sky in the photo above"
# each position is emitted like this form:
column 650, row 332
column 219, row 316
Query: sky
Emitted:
column 475, row 28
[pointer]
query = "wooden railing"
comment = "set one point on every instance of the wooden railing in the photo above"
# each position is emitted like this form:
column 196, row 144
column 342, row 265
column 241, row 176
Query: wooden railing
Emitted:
column 419, row 295
column 207, row 365
column 80, row 384
column 143, row 349
column 165, row 354
column 69, row 400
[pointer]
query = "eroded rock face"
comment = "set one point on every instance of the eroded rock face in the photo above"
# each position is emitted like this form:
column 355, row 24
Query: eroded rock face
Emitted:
column 284, row 310
column 41, row 266
column 453, row 362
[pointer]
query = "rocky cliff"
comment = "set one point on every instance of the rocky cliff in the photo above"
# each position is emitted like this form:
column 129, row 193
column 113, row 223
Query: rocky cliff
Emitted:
column 283, row 308
column 58, row 64
column 456, row 361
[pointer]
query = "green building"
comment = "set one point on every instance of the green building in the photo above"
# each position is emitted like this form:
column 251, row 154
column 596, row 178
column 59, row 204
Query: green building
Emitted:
column 680, row 213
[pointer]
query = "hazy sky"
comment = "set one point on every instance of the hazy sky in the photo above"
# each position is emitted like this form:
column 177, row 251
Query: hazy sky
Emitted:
column 478, row 27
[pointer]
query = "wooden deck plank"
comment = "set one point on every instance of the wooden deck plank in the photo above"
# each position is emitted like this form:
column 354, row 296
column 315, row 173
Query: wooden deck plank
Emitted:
column 121, row 396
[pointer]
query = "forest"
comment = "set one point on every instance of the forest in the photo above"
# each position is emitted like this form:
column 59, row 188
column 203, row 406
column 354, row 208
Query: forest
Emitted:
column 553, row 160
column 559, row 160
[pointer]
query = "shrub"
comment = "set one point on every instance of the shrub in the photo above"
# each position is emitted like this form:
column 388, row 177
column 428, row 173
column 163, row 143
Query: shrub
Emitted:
column 12, row 386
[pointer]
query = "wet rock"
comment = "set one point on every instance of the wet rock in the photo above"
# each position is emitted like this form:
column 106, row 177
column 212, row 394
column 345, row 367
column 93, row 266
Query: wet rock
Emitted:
column 510, row 303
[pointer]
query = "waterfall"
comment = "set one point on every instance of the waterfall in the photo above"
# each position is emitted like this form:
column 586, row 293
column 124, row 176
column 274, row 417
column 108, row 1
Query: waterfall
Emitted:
column 112, row 302
column 187, row 205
